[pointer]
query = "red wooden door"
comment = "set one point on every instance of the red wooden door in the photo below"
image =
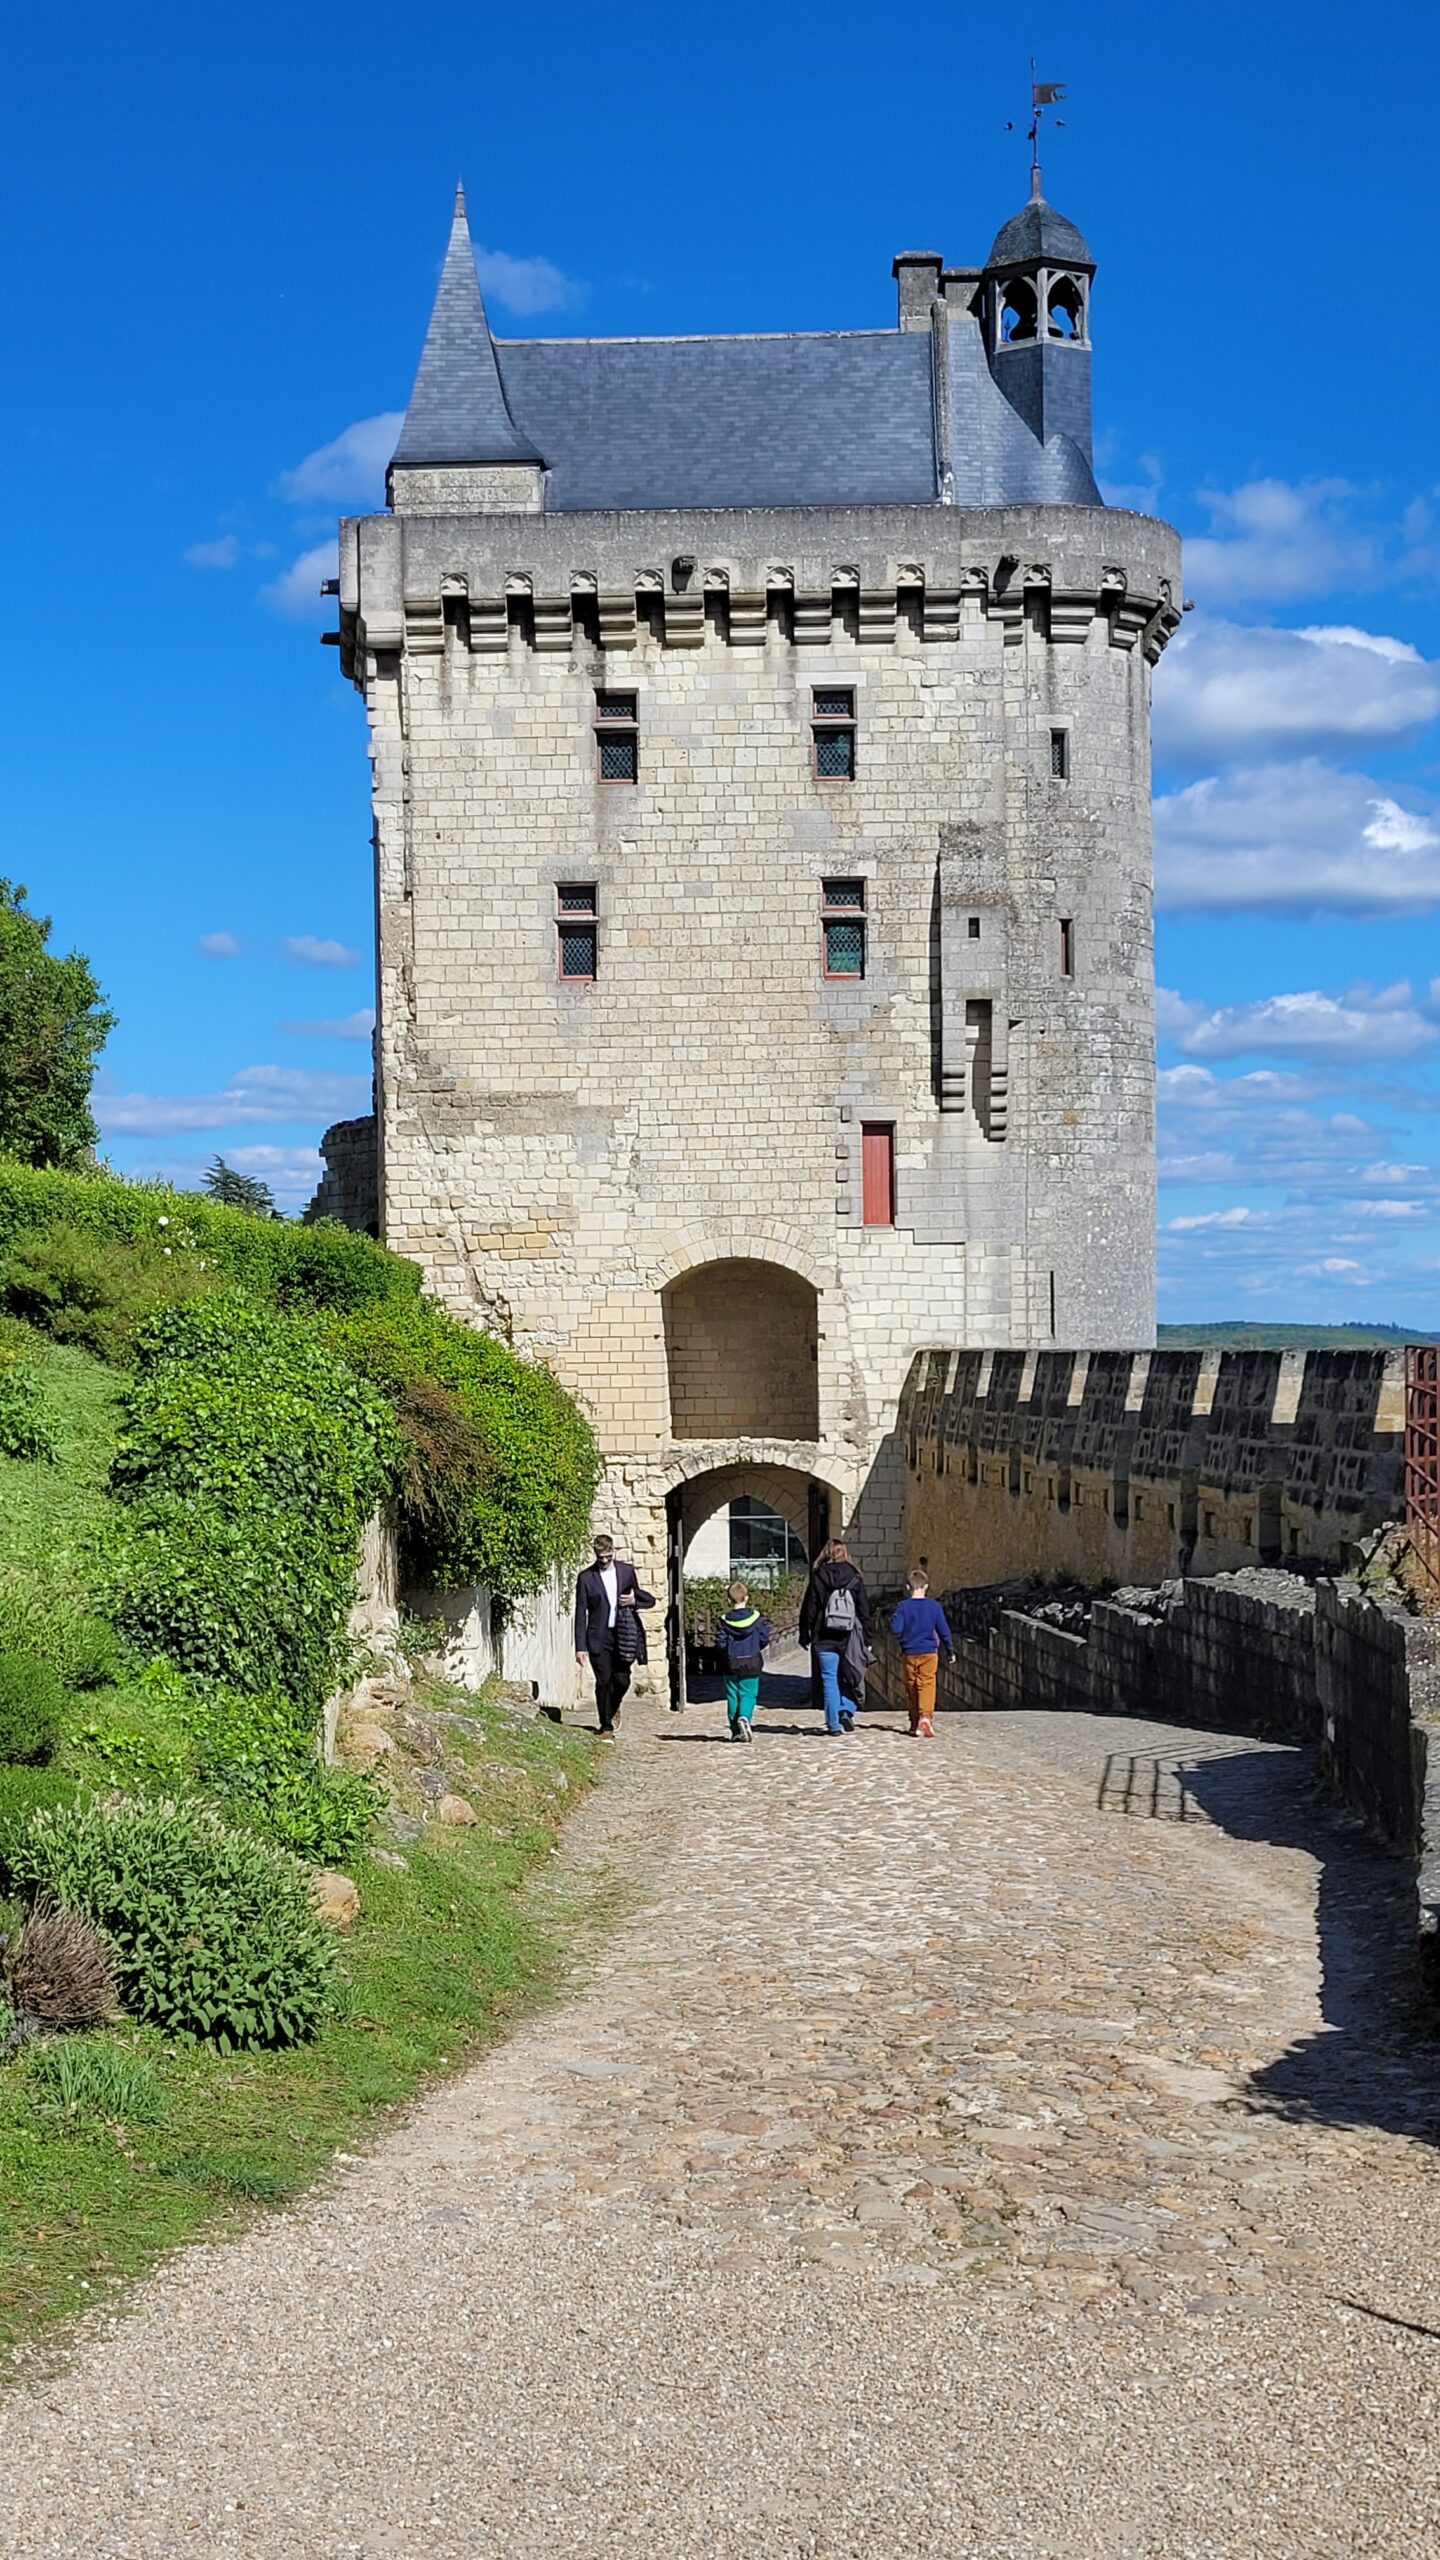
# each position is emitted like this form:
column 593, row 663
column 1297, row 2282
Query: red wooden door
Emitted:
column 877, row 1175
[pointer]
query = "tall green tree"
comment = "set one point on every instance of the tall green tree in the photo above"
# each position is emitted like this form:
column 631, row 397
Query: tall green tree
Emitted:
column 236, row 1190
column 53, row 1026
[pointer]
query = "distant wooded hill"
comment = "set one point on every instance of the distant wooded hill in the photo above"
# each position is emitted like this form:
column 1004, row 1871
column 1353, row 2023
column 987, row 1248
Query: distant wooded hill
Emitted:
column 1288, row 1337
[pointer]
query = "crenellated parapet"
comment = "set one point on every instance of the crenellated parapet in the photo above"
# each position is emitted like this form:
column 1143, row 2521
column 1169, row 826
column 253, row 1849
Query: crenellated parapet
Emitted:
column 1132, row 1466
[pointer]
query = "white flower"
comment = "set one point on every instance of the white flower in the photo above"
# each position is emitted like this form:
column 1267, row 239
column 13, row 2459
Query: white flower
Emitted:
column 164, row 1222
column 165, row 1248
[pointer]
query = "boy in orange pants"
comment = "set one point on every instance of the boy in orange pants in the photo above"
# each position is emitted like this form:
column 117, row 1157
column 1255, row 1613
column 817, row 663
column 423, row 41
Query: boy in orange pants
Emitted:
column 920, row 1627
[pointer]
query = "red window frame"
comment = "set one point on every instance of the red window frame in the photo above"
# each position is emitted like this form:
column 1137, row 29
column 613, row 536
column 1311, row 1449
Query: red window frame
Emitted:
column 832, row 724
column 573, row 918
column 877, row 1173
column 610, row 723
column 843, row 902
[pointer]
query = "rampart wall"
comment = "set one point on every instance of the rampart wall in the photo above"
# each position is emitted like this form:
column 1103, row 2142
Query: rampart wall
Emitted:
column 1133, row 1466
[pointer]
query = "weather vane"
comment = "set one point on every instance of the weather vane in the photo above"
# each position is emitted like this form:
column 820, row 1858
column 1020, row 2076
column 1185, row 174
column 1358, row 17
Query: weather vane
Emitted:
column 1043, row 94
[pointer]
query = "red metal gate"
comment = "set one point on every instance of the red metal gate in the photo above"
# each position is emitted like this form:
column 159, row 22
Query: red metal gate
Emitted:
column 1422, row 1453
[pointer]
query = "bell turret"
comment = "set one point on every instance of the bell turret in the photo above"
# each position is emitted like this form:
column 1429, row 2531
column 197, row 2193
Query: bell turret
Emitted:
column 1035, row 311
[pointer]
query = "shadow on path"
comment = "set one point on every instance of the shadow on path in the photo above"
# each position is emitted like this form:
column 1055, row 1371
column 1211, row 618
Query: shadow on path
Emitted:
column 1376, row 2060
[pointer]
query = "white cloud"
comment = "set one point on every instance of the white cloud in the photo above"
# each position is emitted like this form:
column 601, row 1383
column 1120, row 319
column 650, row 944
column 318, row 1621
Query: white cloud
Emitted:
column 348, row 1026
column 352, row 465
column 1224, row 689
column 1362, row 1023
column 1270, row 539
column 1299, row 838
column 291, row 1172
column 318, row 953
column 1198, row 1089
column 297, row 589
column 214, row 555
column 1220, row 1218
column 256, row 1094
column 220, row 946
column 524, row 285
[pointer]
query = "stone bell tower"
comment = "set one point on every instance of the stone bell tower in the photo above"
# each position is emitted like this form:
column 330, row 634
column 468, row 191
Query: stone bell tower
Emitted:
column 760, row 730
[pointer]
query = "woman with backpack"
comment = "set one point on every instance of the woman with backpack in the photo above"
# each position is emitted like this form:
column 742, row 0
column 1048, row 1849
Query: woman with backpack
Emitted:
column 835, row 1606
column 743, row 1634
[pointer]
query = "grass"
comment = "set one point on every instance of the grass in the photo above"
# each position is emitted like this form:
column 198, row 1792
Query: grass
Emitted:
column 93, row 2191
column 117, row 2146
column 50, row 1515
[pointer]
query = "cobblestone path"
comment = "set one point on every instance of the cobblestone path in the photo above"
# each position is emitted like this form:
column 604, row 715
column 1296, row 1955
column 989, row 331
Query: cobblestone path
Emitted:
column 996, row 2147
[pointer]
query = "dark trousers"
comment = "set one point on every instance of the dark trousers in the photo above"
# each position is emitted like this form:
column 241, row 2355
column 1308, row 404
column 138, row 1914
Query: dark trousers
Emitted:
column 612, row 1679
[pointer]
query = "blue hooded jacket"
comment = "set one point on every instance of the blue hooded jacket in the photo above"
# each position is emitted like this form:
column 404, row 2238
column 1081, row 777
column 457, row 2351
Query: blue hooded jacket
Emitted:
column 744, row 1634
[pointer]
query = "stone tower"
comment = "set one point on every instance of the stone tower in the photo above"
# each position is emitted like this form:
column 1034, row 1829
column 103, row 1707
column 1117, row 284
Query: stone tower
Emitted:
column 760, row 732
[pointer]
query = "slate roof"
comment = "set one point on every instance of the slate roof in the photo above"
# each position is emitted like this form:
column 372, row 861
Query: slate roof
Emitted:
column 1038, row 231
column 841, row 419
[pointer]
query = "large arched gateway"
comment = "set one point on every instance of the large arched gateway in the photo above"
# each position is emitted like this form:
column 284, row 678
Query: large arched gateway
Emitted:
column 803, row 1500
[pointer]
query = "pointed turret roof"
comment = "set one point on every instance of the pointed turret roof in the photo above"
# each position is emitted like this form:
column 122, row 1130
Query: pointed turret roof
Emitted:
column 458, row 410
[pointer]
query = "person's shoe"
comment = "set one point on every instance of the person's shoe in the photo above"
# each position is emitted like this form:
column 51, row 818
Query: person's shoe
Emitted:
column 607, row 1733
column 847, row 1721
column 914, row 1727
column 742, row 1730
column 926, row 1727
column 735, row 1731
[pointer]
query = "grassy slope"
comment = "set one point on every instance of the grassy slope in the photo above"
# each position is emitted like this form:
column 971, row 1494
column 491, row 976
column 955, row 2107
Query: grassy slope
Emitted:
column 441, row 1956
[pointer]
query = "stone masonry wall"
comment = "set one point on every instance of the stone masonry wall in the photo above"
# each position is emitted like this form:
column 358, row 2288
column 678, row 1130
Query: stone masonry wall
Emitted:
column 1133, row 1466
column 557, row 1153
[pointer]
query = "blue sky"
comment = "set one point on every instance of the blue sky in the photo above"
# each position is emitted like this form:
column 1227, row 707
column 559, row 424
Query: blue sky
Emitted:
column 225, row 230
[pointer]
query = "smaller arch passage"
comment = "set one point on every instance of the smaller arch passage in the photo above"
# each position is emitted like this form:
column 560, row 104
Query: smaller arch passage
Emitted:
column 742, row 1349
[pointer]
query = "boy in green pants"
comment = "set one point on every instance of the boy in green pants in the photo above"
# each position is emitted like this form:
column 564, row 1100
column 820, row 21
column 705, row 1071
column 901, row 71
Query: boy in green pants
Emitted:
column 744, row 1634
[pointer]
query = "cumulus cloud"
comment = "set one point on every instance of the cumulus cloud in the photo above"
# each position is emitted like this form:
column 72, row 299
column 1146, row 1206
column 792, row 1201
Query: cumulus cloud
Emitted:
column 318, row 953
column 348, row 1026
column 1272, row 539
column 214, row 555
column 256, row 1094
column 297, row 590
column 1362, row 1023
column 1301, row 838
column 524, row 285
column 1224, row 689
column 1199, row 1089
column 352, row 465
column 220, row 946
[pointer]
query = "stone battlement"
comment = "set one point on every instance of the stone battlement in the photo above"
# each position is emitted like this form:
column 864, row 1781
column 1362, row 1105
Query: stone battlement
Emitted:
column 1133, row 1466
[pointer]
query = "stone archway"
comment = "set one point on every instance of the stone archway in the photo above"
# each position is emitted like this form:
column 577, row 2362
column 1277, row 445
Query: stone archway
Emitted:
column 742, row 1352
column 806, row 1501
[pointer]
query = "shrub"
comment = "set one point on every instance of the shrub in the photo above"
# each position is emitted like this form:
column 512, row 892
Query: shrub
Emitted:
column 24, row 1792
column 214, row 1931
column 92, row 2076
column 32, row 1710
column 97, row 1291
column 26, row 1428
column 58, row 1972
column 529, row 1507
column 260, row 1755
column 251, row 1460
column 80, row 1647
column 276, row 1261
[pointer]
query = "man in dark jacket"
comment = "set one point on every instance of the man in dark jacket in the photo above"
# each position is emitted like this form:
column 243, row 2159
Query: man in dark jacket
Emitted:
column 608, row 1632
column 836, row 1603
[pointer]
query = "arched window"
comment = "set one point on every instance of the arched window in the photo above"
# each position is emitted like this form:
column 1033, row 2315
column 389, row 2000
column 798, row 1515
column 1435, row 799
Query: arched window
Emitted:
column 1065, row 308
column 1017, row 311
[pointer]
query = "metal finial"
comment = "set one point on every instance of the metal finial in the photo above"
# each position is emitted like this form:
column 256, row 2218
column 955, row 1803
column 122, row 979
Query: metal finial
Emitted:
column 1043, row 94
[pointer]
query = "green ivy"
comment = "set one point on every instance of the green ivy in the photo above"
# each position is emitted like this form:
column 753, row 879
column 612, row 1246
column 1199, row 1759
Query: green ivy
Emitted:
column 250, row 1462
column 527, row 1507
column 259, row 1756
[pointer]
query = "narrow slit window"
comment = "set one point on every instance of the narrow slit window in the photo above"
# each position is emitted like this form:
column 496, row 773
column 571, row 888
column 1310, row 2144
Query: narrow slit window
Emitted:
column 843, row 926
column 832, row 715
column 1067, row 947
column 973, row 928
column 617, row 737
column 1059, row 755
column 577, row 930
column 877, row 1173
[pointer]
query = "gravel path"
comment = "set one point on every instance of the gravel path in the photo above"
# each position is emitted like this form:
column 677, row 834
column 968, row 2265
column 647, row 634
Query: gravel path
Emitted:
column 972, row 2148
